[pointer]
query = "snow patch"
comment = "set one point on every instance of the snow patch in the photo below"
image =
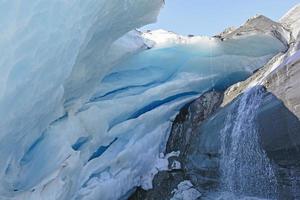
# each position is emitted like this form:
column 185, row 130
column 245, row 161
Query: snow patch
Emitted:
column 185, row 191
column 163, row 38
column 161, row 164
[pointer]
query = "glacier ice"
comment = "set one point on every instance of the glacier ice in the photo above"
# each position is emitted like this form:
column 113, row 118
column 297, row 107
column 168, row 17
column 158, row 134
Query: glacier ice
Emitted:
column 85, row 106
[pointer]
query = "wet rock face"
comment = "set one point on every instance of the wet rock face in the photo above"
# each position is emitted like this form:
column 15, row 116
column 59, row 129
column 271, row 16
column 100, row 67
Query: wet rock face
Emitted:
column 189, row 119
column 185, row 137
column 279, row 128
column 184, row 131
column 285, row 84
column 279, row 133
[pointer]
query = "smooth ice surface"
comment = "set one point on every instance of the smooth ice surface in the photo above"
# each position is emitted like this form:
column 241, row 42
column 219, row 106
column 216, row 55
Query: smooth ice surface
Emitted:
column 84, row 113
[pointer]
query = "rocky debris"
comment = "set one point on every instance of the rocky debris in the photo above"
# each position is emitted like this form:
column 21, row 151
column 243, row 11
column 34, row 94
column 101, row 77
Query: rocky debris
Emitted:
column 291, row 21
column 225, row 32
column 258, row 24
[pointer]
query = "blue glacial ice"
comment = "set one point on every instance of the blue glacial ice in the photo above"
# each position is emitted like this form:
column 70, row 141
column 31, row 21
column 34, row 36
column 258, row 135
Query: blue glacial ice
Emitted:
column 86, row 107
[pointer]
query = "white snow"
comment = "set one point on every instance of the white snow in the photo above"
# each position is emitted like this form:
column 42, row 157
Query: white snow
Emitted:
column 163, row 38
column 161, row 164
column 185, row 191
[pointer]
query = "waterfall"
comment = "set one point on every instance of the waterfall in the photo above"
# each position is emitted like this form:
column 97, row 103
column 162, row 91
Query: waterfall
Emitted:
column 245, row 168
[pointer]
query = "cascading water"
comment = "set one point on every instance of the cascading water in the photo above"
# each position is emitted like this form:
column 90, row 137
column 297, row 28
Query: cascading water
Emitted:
column 245, row 168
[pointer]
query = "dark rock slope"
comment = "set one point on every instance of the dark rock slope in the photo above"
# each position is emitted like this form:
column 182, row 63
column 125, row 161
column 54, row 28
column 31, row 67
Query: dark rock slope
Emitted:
column 279, row 132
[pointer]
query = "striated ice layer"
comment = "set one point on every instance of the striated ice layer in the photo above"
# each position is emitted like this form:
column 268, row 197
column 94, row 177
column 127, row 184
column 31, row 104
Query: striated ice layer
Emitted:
column 84, row 113
column 51, row 52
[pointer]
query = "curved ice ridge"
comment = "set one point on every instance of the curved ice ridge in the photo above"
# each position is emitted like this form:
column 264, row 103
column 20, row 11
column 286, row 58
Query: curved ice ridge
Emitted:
column 84, row 113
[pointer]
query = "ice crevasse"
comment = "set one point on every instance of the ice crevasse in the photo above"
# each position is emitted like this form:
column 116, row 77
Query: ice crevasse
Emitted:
column 86, row 105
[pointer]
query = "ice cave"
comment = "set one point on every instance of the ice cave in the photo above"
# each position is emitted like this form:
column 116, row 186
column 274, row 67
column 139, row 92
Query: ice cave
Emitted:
column 94, row 108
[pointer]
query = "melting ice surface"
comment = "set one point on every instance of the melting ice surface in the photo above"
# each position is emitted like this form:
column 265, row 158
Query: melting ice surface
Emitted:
column 86, row 116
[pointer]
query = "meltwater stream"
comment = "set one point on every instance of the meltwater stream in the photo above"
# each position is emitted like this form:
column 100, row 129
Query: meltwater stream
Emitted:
column 245, row 167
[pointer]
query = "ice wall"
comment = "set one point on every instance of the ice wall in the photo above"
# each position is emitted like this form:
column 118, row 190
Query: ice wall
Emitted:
column 84, row 114
column 47, row 49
